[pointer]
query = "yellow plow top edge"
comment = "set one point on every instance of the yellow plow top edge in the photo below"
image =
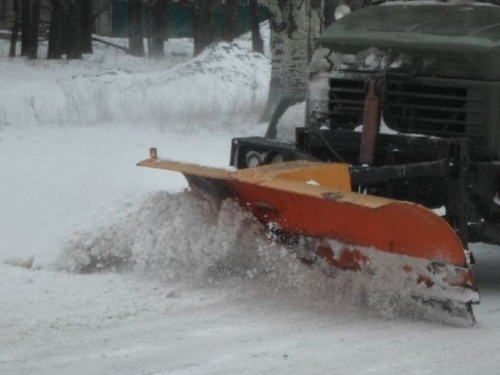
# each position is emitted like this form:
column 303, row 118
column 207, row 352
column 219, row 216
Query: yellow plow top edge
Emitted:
column 320, row 180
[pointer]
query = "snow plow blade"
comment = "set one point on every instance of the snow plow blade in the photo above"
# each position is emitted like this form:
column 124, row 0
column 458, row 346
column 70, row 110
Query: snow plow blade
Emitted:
column 347, row 230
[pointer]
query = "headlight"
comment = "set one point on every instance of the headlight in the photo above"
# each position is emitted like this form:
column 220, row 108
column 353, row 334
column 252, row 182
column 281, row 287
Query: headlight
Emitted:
column 341, row 11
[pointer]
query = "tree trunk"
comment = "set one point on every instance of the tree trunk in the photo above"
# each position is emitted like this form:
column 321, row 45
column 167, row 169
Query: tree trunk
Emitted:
column 56, row 31
column 135, row 38
column 276, row 86
column 3, row 14
column 25, row 10
column 159, row 27
column 203, row 31
column 87, row 22
column 15, row 28
column 74, row 47
column 34, row 25
column 229, row 22
column 257, row 42
column 329, row 12
column 30, row 19
column 294, row 26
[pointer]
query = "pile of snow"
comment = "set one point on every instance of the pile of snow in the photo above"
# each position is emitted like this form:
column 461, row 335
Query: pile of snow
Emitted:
column 179, row 93
column 225, row 80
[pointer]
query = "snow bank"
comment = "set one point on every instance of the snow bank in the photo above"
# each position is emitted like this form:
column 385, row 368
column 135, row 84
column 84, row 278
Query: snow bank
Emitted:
column 225, row 81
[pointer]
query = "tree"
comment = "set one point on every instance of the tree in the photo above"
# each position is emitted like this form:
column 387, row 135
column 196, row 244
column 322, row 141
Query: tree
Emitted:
column 74, row 30
column 229, row 20
column 15, row 27
column 329, row 12
column 87, row 26
column 257, row 42
column 71, row 26
column 294, row 26
column 30, row 20
column 159, row 28
column 203, row 30
column 57, row 40
column 135, row 35
column 3, row 13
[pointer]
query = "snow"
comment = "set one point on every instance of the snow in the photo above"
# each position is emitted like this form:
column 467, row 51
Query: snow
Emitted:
column 109, row 268
column 385, row 129
column 293, row 118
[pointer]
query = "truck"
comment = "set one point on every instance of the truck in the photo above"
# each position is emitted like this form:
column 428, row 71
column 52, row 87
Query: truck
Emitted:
column 399, row 153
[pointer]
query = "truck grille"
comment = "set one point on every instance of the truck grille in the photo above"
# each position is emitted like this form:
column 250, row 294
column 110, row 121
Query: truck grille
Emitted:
column 445, row 111
column 346, row 102
column 413, row 107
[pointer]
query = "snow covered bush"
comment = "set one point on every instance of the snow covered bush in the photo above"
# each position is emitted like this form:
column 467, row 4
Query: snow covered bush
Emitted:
column 225, row 81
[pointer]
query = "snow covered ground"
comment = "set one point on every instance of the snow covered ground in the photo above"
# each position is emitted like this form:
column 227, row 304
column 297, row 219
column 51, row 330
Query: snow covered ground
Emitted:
column 183, row 289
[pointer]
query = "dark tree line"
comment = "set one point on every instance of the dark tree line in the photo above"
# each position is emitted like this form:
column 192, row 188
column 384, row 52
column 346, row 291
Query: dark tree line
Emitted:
column 148, row 18
column 70, row 29
column 26, row 20
column 203, row 32
column 71, row 23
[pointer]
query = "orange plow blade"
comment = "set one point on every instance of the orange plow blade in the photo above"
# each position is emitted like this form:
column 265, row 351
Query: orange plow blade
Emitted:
column 348, row 231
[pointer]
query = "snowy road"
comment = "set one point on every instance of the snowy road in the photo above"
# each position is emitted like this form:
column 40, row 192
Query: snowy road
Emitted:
column 55, row 323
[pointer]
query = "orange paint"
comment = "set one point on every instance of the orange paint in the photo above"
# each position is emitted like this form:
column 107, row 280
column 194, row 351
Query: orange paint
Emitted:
column 422, row 279
column 351, row 260
column 396, row 228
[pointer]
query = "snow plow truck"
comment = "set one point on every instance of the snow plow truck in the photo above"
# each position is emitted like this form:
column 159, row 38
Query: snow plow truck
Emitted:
column 397, row 166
